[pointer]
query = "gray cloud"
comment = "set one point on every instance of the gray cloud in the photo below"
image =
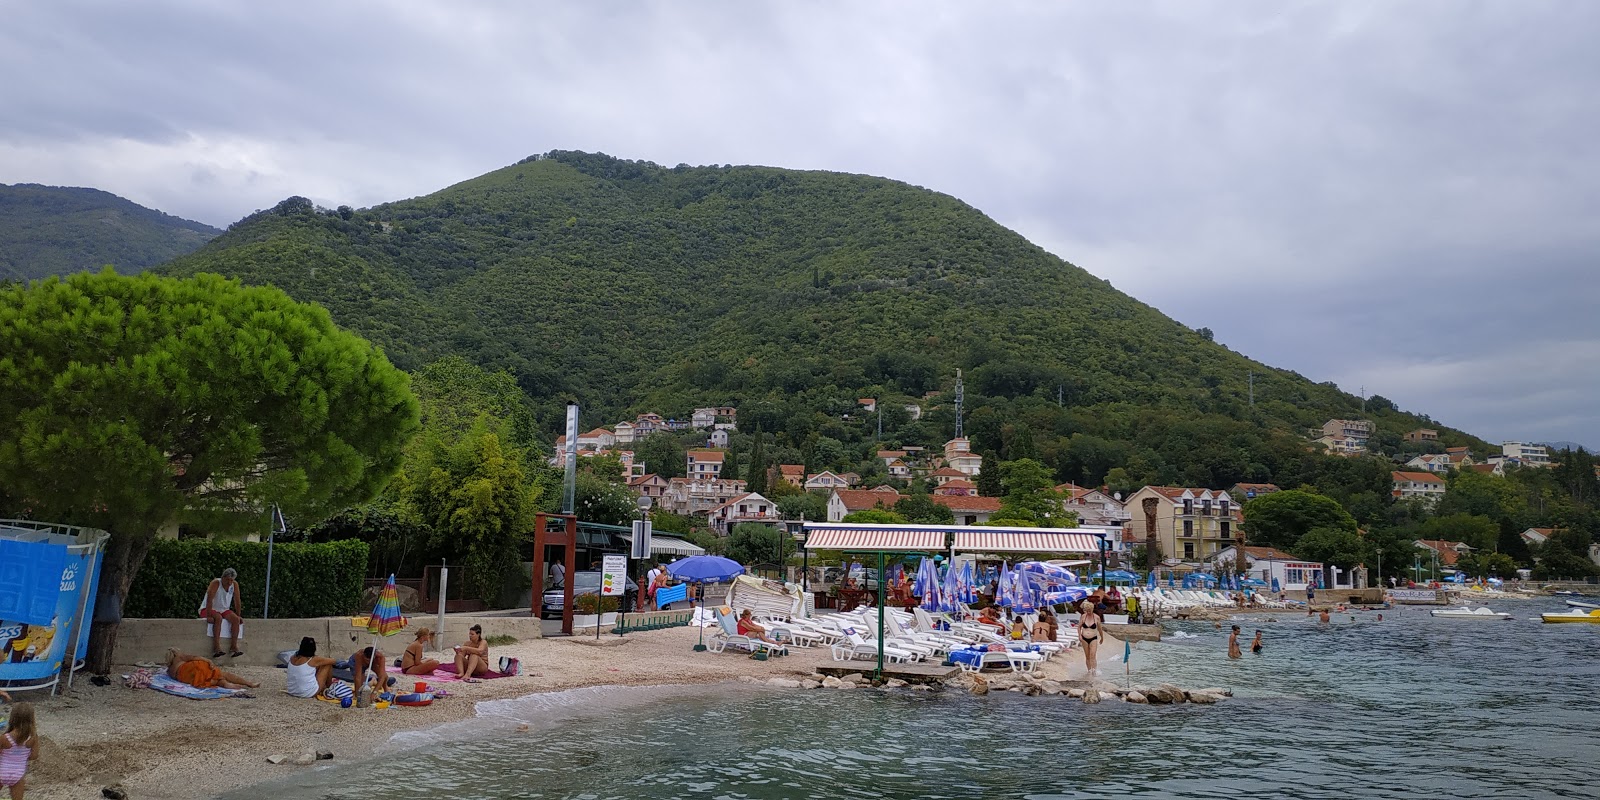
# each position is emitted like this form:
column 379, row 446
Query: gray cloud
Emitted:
column 1398, row 196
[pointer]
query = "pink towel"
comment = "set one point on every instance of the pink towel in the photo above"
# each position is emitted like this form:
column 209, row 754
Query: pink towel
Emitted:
column 447, row 673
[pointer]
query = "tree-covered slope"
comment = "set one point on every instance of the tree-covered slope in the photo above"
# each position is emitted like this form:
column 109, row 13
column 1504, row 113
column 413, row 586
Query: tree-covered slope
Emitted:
column 59, row 230
column 628, row 286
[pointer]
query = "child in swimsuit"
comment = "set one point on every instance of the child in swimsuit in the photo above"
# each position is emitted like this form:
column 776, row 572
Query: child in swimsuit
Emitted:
column 18, row 746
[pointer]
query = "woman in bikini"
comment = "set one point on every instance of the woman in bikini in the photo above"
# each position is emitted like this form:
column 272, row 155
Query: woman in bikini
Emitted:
column 472, row 658
column 1089, row 635
column 412, row 661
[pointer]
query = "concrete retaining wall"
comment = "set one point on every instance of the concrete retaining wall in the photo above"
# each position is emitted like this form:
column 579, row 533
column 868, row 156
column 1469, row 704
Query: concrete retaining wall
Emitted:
column 147, row 640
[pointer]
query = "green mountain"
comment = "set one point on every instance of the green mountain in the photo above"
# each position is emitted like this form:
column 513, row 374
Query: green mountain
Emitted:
column 57, row 230
column 629, row 287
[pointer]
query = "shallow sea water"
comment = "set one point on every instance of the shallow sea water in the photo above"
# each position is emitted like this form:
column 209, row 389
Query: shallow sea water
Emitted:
column 1408, row 707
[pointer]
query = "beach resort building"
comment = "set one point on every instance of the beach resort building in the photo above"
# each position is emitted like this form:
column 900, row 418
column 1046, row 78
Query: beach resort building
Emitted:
column 1191, row 524
column 1425, row 485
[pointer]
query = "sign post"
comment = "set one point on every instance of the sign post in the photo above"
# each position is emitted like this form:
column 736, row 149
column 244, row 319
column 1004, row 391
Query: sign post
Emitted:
column 613, row 583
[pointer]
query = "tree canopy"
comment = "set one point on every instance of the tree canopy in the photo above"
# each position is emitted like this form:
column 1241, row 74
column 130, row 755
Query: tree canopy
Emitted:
column 1280, row 519
column 134, row 401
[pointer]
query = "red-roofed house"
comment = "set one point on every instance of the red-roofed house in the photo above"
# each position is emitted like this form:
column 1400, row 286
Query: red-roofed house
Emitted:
column 956, row 487
column 944, row 474
column 793, row 474
column 1092, row 506
column 705, row 464
column 845, row 501
column 969, row 509
column 1447, row 551
column 1537, row 536
column 1426, row 485
column 652, row 486
column 1191, row 524
column 825, row 480
column 1431, row 462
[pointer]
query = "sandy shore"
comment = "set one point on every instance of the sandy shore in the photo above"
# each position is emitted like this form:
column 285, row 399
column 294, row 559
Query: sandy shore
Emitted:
column 159, row 746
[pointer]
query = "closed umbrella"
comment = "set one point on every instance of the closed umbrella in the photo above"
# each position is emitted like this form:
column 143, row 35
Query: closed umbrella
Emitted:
column 385, row 620
column 1275, row 586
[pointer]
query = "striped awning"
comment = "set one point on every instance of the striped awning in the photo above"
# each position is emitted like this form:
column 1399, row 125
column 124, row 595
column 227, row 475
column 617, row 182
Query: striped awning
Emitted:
column 868, row 538
column 668, row 544
column 1025, row 542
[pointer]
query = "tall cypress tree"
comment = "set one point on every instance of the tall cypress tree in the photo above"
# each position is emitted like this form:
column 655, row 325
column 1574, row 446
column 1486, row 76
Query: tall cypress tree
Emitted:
column 730, row 464
column 757, row 482
column 989, row 476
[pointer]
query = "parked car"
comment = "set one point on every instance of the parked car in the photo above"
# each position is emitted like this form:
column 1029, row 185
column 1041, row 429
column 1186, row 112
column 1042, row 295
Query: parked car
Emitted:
column 587, row 582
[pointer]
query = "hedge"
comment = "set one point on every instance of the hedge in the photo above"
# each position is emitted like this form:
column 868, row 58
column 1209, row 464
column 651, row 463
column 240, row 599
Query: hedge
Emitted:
column 308, row 580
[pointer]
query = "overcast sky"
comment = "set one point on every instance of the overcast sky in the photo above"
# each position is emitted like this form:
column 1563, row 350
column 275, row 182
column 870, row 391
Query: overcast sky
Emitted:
column 1400, row 196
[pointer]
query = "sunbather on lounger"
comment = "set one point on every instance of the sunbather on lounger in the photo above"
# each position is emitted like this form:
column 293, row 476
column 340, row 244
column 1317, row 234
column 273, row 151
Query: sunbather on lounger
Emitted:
column 991, row 616
column 412, row 662
column 199, row 672
column 749, row 627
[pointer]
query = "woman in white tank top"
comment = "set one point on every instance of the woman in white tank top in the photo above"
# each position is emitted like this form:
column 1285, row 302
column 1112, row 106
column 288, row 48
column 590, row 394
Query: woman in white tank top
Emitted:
column 308, row 673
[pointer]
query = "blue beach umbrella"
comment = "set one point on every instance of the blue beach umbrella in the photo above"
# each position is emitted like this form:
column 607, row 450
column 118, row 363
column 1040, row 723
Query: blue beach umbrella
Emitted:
column 705, row 569
column 969, row 587
column 1172, row 582
column 1151, row 583
column 919, row 586
column 1275, row 586
column 1026, row 601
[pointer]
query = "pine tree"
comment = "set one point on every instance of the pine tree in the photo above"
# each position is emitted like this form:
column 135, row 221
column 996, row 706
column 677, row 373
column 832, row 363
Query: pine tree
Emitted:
column 989, row 476
column 757, row 482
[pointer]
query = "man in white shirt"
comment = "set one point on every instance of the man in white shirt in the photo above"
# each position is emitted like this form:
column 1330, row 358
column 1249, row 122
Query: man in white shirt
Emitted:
column 558, row 574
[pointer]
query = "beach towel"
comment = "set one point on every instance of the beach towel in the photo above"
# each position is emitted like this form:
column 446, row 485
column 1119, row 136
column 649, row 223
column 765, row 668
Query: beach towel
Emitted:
column 163, row 682
column 447, row 673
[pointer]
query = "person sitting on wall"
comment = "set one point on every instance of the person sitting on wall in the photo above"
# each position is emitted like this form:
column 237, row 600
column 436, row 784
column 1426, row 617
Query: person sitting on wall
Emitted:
column 222, row 605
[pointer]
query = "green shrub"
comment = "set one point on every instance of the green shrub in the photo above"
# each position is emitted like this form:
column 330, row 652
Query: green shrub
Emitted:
column 308, row 580
column 595, row 604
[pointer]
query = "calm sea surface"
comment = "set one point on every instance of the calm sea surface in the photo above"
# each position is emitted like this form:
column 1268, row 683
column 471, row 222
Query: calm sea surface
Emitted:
column 1408, row 707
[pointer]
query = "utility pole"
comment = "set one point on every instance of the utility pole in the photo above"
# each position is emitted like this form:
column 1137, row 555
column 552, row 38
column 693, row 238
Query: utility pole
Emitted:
column 1363, row 399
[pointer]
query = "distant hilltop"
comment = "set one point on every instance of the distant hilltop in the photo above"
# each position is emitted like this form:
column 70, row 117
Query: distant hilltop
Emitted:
column 59, row 230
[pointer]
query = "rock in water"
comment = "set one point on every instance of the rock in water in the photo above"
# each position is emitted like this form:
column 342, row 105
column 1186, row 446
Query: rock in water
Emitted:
column 1051, row 687
column 831, row 682
column 810, row 684
column 980, row 684
column 1202, row 698
column 305, row 759
column 783, row 683
column 1091, row 695
column 1074, row 692
column 1175, row 694
column 324, row 755
column 894, row 683
column 1135, row 697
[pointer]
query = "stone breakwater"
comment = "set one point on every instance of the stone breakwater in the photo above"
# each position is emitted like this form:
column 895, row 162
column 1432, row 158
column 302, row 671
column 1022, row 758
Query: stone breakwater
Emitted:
column 1087, row 691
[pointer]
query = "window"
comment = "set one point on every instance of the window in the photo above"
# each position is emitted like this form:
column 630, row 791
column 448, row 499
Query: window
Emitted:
column 1188, row 527
column 1205, row 507
column 1188, row 551
column 1225, row 510
column 1226, row 525
column 1188, row 506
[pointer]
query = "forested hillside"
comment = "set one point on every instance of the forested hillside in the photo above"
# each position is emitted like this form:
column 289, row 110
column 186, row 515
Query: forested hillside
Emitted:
column 59, row 230
column 630, row 287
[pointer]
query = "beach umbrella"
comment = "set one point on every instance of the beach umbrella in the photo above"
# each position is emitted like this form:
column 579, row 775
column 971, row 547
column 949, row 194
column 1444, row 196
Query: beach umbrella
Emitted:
column 951, row 593
column 1025, row 600
column 928, row 585
column 1275, row 586
column 1151, row 583
column 385, row 620
column 920, row 586
column 1172, row 582
column 705, row 569
column 967, row 586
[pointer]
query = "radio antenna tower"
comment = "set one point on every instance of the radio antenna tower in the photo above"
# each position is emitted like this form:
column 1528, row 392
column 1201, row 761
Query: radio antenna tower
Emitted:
column 960, row 395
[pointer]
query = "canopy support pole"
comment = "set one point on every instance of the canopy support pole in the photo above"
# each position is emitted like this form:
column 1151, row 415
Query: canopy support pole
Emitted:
column 881, row 586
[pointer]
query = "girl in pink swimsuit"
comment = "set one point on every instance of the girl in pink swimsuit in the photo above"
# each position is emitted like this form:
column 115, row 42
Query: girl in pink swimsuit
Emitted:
column 18, row 746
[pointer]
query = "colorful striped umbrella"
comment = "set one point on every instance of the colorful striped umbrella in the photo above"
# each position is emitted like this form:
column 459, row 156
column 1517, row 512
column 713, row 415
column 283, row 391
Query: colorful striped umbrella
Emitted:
column 385, row 619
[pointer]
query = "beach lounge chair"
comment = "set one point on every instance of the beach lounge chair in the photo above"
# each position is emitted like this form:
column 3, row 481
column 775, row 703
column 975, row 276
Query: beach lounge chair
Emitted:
column 855, row 646
column 728, row 634
column 975, row 658
column 924, row 650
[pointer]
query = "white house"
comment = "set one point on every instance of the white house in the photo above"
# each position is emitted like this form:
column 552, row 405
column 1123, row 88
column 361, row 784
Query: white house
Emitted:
column 1432, row 462
column 719, row 438
column 705, row 464
column 623, row 431
column 825, row 480
column 1093, row 506
column 958, row 455
column 1343, row 446
column 1268, row 564
column 1528, row 455
column 748, row 507
column 1537, row 536
column 685, row 496
column 899, row 469
column 1425, row 485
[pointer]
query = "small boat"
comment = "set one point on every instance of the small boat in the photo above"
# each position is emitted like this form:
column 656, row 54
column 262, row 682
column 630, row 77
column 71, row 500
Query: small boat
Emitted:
column 1576, row 604
column 1575, row 615
column 1470, row 613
